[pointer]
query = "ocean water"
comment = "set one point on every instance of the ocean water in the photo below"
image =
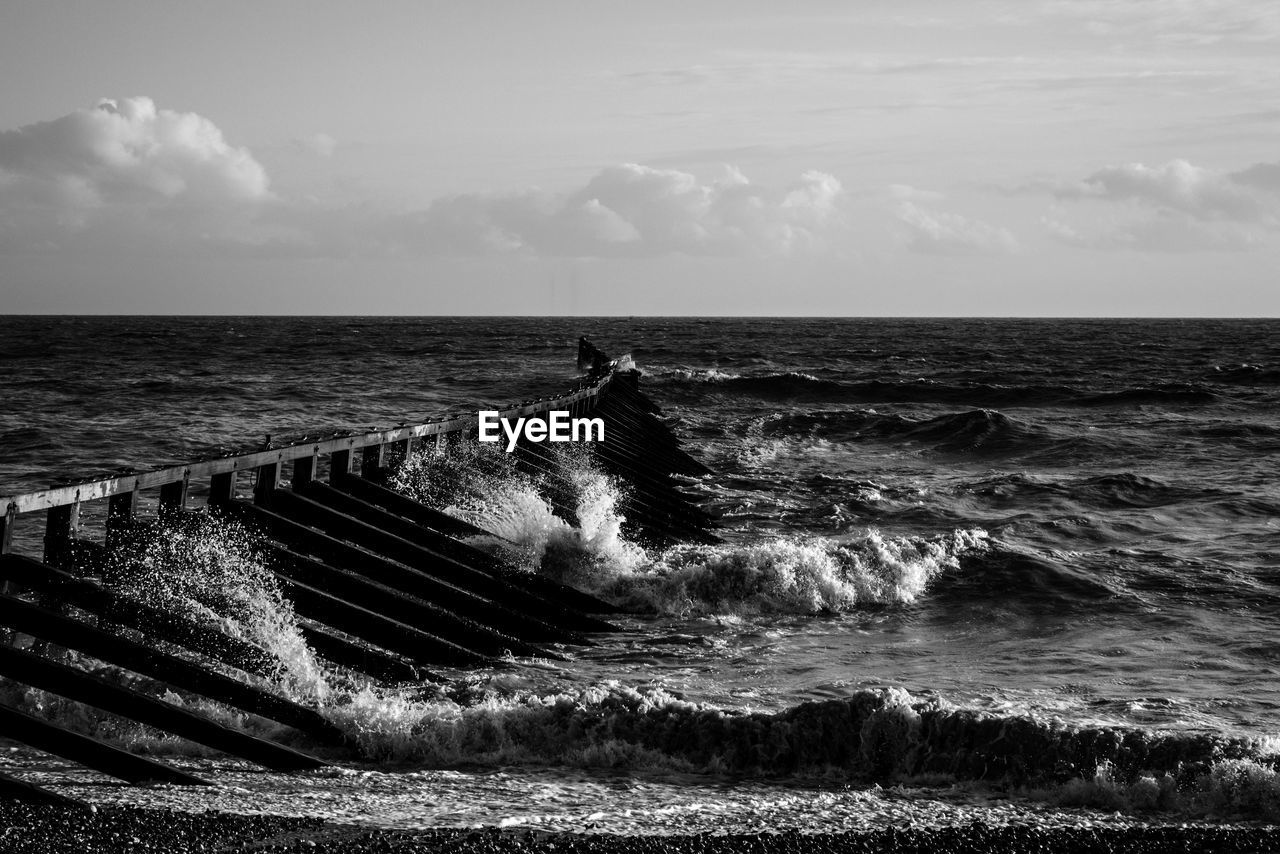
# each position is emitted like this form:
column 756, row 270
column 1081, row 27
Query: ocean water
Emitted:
column 943, row 537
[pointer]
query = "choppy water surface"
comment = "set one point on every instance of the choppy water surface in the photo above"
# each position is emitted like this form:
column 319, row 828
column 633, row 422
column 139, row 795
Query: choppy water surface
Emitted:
column 1074, row 521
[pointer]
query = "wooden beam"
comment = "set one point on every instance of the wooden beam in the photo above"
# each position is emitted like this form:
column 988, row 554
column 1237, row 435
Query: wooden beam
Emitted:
column 83, row 687
column 28, row 574
column 173, row 498
column 268, row 480
column 372, row 460
column 304, row 471
column 61, row 525
column 413, row 643
column 339, row 464
column 364, row 657
column 45, row 499
column 51, row 738
column 222, row 488
column 20, row 790
column 7, row 523
column 120, row 510
column 123, row 652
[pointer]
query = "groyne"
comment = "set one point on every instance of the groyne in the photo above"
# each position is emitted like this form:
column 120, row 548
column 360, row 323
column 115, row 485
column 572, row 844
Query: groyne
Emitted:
column 386, row 586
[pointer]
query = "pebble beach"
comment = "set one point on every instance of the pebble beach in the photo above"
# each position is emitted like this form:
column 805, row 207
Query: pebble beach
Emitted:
column 52, row 830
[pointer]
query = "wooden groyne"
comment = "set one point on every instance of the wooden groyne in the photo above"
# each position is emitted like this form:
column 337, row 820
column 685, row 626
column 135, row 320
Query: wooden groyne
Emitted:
column 384, row 585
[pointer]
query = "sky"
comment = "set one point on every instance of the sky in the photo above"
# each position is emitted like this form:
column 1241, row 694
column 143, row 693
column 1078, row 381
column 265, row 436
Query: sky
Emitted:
column 863, row 158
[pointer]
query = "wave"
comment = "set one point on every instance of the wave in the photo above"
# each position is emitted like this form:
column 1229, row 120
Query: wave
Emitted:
column 884, row 736
column 690, row 375
column 979, row 432
column 793, row 385
column 1002, row 576
column 1246, row 374
column 783, row 575
column 1116, row 491
column 790, row 575
column 872, row 736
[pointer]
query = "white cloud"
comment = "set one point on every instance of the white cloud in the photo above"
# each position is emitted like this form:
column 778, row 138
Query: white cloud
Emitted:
column 945, row 233
column 1176, row 185
column 1173, row 207
column 129, row 152
column 120, row 166
column 635, row 210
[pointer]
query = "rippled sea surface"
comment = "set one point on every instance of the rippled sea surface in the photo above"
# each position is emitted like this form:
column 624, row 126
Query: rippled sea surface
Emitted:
column 1075, row 520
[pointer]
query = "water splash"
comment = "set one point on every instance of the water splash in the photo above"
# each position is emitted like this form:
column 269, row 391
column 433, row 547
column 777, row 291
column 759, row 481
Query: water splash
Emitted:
column 213, row 570
column 481, row 484
column 794, row 575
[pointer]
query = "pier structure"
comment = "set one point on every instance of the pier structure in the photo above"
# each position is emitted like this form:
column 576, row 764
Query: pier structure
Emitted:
column 383, row 584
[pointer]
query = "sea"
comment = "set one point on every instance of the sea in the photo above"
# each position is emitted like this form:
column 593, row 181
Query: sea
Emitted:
column 1018, row 565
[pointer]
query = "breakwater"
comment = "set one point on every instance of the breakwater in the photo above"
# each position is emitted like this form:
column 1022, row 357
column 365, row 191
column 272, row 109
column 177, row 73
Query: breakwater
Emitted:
column 387, row 586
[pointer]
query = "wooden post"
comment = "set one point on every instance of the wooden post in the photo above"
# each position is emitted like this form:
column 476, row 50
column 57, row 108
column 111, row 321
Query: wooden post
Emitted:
column 7, row 522
column 371, row 460
column 222, row 489
column 173, row 498
column 120, row 508
column 268, row 479
column 397, row 453
column 339, row 465
column 304, row 471
column 63, row 522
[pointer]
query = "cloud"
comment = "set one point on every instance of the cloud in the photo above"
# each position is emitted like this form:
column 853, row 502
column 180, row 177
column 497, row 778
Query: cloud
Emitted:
column 635, row 210
column 126, row 176
column 123, row 162
column 1172, row 207
column 129, row 152
column 1260, row 176
column 944, row 233
column 1176, row 185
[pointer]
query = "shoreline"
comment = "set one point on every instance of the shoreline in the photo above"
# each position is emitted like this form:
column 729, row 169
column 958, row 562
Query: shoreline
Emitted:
column 27, row 828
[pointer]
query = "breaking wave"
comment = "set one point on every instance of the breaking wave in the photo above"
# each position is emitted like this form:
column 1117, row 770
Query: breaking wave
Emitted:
column 790, row 575
column 589, row 550
column 880, row 736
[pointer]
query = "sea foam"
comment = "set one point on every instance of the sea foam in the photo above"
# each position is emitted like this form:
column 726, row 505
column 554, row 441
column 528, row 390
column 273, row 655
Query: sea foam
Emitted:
column 798, row 575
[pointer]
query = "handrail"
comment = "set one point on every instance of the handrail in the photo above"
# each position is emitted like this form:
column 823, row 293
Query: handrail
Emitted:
column 64, row 500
